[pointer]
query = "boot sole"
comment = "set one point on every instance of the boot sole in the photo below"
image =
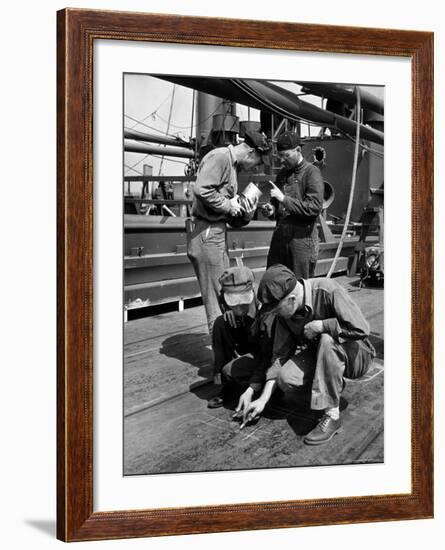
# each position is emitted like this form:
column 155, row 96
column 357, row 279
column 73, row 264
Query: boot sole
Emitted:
column 312, row 442
column 215, row 404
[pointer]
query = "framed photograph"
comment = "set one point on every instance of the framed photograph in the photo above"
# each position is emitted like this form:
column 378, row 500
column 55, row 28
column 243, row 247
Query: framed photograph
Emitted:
column 187, row 401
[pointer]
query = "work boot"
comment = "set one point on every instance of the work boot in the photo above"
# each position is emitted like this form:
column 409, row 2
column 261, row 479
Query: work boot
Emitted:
column 224, row 394
column 324, row 431
column 216, row 401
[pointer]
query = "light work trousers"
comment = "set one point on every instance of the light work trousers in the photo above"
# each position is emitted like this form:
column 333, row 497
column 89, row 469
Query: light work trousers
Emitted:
column 207, row 250
column 325, row 370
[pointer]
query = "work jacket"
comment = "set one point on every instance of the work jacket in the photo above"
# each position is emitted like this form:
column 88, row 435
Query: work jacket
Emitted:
column 303, row 190
column 216, row 183
column 254, row 335
column 324, row 300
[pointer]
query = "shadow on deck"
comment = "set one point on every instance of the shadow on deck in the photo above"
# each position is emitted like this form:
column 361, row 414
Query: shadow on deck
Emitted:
column 168, row 427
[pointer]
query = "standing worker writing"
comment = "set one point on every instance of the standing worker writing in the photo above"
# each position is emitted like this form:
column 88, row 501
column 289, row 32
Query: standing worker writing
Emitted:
column 215, row 203
column 296, row 202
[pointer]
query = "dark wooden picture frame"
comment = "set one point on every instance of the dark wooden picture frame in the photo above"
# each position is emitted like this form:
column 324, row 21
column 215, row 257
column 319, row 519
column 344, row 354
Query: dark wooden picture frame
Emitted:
column 77, row 31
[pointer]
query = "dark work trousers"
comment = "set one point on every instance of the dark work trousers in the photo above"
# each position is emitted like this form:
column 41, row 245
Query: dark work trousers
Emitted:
column 207, row 250
column 234, row 357
column 296, row 247
column 324, row 367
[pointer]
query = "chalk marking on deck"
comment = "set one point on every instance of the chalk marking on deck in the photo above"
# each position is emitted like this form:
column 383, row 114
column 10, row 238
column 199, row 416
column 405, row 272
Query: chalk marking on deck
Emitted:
column 212, row 424
column 232, row 424
column 252, row 434
column 183, row 419
column 218, row 419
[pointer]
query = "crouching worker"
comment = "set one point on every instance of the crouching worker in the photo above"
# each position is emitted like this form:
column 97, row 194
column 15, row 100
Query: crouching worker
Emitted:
column 319, row 313
column 242, row 348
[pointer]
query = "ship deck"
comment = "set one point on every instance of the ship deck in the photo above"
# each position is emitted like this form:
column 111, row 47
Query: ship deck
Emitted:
column 169, row 428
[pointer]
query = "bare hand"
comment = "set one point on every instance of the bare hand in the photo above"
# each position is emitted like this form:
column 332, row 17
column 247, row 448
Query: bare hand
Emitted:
column 250, row 205
column 253, row 411
column 268, row 210
column 229, row 317
column 275, row 193
column 313, row 329
column 235, row 207
column 243, row 403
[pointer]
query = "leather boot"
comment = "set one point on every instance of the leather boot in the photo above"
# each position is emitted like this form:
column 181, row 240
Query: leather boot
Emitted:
column 324, row 431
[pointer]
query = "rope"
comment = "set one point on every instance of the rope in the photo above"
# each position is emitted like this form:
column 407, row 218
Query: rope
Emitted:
column 168, row 124
column 138, row 162
column 351, row 192
column 198, row 123
column 131, row 168
column 153, row 112
column 150, row 127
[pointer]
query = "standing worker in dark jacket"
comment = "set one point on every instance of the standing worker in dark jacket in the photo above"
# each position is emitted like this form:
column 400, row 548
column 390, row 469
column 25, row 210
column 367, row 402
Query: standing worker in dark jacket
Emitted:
column 296, row 202
column 215, row 203
column 321, row 314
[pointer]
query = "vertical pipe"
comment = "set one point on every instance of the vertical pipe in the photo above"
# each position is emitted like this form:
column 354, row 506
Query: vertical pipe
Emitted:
column 207, row 106
column 147, row 170
column 193, row 114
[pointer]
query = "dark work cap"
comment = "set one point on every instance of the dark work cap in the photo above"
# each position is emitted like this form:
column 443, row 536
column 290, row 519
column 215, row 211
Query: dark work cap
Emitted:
column 237, row 286
column 258, row 141
column 288, row 140
column 277, row 282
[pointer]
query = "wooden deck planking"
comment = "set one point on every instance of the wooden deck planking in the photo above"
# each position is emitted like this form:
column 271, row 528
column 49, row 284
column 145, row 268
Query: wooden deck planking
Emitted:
column 175, row 355
column 168, row 427
column 183, row 435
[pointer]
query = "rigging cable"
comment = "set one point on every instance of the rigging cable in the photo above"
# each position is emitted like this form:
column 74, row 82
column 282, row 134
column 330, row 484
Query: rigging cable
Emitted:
column 138, row 162
column 150, row 127
column 198, row 123
column 168, row 124
column 131, row 168
column 171, row 160
column 152, row 113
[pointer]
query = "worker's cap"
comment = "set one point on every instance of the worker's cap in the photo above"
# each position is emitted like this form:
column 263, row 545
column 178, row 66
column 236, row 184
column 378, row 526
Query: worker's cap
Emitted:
column 277, row 282
column 288, row 140
column 258, row 141
column 237, row 286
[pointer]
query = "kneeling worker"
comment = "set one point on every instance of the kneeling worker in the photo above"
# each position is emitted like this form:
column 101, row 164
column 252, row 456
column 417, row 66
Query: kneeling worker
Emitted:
column 321, row 313
column 241, row 345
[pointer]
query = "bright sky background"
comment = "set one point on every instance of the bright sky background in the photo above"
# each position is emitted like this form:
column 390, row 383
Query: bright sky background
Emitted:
column 147, row 99
column 147, row 102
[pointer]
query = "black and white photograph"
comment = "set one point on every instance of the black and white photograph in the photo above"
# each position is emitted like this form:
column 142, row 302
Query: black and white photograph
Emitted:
column 253, row 271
